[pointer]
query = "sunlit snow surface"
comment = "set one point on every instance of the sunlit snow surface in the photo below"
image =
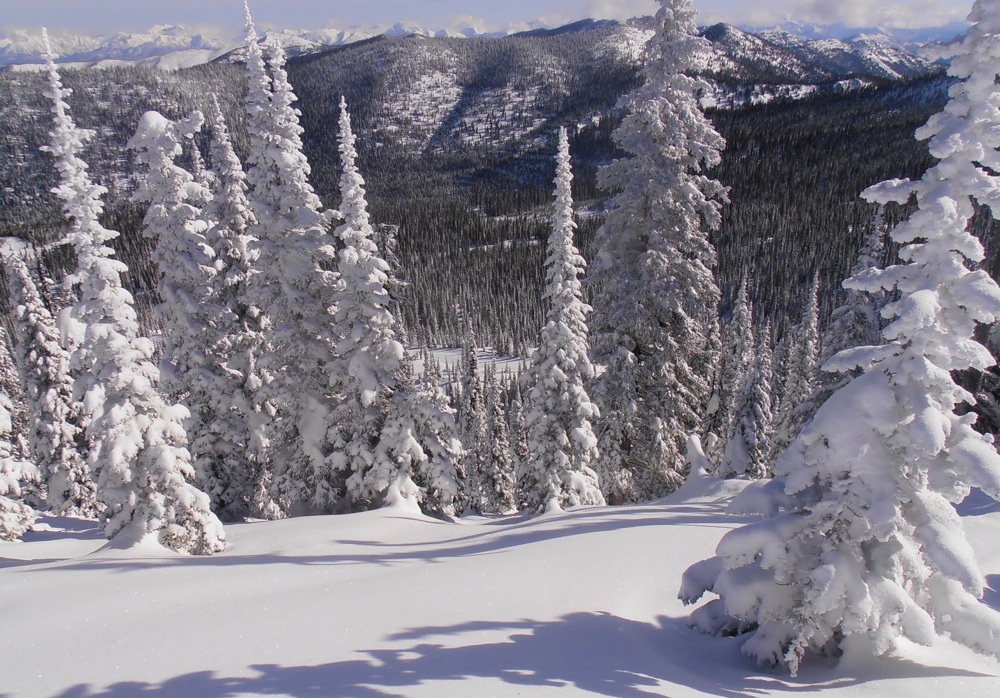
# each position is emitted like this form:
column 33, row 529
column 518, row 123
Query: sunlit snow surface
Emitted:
column 390, row 603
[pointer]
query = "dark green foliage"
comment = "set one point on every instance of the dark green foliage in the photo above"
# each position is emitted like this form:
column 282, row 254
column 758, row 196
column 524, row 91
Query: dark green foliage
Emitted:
column 472, row 211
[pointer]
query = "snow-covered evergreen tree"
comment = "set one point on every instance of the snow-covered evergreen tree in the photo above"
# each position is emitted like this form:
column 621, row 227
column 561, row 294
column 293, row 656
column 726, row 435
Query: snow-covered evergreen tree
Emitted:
column 420, row 437
column 655, row 321
column 855, row 323
column 199, row 327
column 735, row 362
column 294, row 288
column 137, row 442
column 801, row 369
column 55, row 439
column 468, row 389
column 442, row 477
column 494, row 476
column 476, row 439
column 869, row 549
column 561, row 443
column 368, row 351
column 747, row 450
column 518, row 429
column 185, row 261
column 10, row 384
column 16, row 517
column 235, row 475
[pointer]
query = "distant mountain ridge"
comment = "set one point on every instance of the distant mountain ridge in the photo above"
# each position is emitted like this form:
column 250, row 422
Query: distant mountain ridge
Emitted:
column 942, row 34
column 173, row 47
column 778, row 56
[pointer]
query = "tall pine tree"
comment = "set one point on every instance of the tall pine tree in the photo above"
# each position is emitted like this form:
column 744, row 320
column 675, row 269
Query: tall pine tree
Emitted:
column 137, row 442
column 235, row 476
column 735, row 363
column 561, row 444
column 55, row 439
column 801, row 371
column 655, row 321
column 368, row 351
column 747, row 450
column 294, row 288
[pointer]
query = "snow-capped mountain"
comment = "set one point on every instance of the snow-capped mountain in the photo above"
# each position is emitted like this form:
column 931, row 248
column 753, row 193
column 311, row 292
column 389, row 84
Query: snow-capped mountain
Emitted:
column 171, row 47
column 795, row 49
column 923, row 35
column 163, row 46
column 792, row 58
column 22, row 46
column 874, row 53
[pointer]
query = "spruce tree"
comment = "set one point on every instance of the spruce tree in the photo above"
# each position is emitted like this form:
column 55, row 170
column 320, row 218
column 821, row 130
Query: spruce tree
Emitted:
column 561, row 444
column 747, row 450
column 440, row 476
column 869, row 548
column 476, row 438
column 368, row 351
column 801, row 372
column 236, row 476
column 16, row 517
column 655, row 321
column 518, row 430
column 185, row 262
column 55, row 439
column 496, row 465
column 468, row 387
column 10, row 384
column 136, row 440
column 187, row 312
column 735, row 362
column 294, row 289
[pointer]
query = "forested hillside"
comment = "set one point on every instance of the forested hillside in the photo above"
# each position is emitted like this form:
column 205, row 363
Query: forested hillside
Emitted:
column 455, row 139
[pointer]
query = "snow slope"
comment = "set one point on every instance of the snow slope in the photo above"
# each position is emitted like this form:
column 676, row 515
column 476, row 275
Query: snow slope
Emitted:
column 390, row 603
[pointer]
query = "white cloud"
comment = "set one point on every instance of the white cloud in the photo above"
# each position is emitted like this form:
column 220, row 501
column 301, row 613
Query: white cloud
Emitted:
column 852, row 13
column 621, row 9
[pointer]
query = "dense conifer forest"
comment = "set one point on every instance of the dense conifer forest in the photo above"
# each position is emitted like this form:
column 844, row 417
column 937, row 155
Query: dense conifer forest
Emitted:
column 473, row 205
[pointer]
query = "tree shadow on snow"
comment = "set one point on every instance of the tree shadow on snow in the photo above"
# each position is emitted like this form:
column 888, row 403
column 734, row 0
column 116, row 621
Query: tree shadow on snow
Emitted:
column 49, row 528
column 596, row 653
column 977, row 504
column 991, row 594
column 370, row 552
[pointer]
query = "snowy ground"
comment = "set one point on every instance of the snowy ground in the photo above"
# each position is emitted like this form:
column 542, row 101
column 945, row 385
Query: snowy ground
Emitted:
column 390, row 603
column 451, row 359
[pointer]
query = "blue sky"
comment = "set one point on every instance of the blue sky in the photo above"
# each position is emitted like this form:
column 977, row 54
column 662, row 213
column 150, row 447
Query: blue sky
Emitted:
column 105, row 16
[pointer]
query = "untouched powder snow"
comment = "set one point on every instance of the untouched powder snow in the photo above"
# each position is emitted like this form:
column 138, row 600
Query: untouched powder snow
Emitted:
column 391, row 603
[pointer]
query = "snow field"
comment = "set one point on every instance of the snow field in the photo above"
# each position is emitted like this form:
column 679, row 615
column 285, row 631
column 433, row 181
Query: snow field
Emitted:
column 391, row 603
